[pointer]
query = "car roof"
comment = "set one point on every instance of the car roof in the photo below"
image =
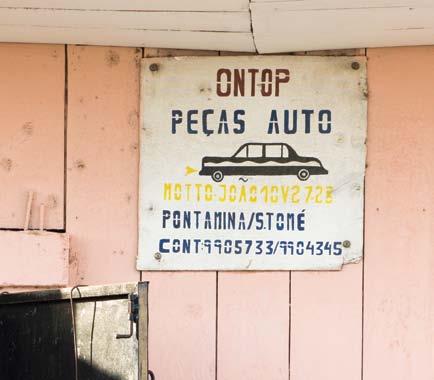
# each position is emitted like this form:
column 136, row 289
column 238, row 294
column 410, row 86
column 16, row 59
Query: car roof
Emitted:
column 264, row 144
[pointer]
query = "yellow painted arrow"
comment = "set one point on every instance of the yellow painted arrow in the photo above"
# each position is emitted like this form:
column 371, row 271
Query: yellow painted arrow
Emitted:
column 189, row 170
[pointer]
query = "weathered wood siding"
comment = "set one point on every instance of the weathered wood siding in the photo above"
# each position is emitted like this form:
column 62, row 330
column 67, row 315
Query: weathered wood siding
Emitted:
column 32, row 87
column 102, row 163
column 372, row 320
column 399, row 248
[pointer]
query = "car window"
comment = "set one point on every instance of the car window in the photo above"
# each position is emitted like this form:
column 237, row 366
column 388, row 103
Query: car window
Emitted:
column 273, row 151
column 288, row 152
column 242, row 153
column 254, row 151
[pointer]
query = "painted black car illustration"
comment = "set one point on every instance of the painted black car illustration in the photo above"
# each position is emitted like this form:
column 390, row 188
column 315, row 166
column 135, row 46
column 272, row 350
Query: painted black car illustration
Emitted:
column 254, row 159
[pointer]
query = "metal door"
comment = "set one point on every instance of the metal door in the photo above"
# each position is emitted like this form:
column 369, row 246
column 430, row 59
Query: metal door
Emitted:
column 80, row 333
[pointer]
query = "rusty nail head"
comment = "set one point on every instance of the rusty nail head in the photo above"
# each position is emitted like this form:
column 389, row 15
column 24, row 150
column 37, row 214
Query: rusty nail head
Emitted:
column 346, row 244
column 153, row 67
column 157, row 255
column 355, row 65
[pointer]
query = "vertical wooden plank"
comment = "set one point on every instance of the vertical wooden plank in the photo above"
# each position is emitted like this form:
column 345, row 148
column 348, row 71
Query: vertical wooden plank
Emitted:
column 142, row 328
column 31, row 133
column 326, row 312
column 399, row 263
column 182, row 311
column 182, row 316
column 102, row 157
column 253, row 326
column 326, row 324
column 252, row 322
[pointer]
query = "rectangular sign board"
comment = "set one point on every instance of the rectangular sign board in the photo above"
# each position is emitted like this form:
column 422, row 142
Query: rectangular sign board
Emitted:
column 252, row 163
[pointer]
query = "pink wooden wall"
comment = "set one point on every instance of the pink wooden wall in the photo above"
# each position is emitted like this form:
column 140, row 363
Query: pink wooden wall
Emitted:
column 373, row 320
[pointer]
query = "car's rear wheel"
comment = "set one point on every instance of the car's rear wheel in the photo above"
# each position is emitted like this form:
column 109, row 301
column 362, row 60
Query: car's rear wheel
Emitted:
column 303, row 174
column 217, row 176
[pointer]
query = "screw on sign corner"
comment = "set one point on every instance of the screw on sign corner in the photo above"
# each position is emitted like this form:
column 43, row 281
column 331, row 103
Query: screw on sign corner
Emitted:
column 153, row 67
column 355, row 65
column 346, row 244
column 157, row 256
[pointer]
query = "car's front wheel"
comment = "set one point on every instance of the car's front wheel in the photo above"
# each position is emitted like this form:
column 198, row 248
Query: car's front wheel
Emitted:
column 217, row 176
column 303, row 174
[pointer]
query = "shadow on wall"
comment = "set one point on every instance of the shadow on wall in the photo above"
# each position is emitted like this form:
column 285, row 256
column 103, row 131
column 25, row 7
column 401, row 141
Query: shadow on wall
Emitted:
column 37, row 343
column 86, row 371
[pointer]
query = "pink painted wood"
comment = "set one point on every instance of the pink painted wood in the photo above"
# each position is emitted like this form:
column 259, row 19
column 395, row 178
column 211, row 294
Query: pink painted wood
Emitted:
column 326, row 324
column 182, row 307
column 253, row 317
column 253, row 326
column 31, row 133
column 326, row 315
column 102, row 157
column 399, row 263
column 182, row 327
column 25, row 257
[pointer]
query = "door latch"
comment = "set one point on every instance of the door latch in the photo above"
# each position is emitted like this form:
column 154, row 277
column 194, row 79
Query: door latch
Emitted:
column 133, row 310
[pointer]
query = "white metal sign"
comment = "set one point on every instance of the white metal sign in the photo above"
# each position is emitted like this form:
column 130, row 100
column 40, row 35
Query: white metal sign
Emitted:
column 252, row 163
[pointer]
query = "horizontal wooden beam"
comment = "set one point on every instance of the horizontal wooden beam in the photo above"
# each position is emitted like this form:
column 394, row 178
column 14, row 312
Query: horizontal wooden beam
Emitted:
column 126, row 19
column 328, row 28
column 139, row 5
column 33, row 258
column 134, row 38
